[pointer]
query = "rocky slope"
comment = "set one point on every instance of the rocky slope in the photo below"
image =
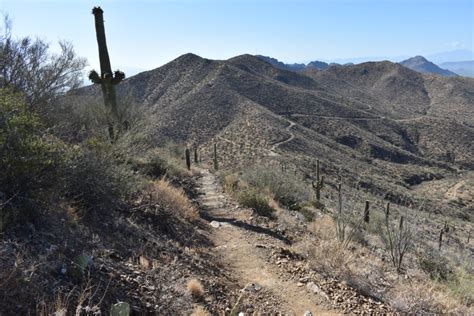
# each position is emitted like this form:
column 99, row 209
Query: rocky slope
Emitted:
column 379, row 123
column 421, row 64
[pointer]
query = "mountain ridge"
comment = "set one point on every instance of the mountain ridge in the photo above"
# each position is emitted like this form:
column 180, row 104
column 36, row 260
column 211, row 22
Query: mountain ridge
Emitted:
column 380, row 118
column 421, row 64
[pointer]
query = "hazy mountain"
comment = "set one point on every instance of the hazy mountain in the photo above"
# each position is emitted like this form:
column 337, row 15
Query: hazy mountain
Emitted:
column 280, row 65
column 462, row 68
column 421, row 64
column 319, row 65
column 455, row 55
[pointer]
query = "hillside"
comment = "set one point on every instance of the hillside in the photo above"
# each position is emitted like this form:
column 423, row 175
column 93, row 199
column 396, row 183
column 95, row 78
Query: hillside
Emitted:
column 379, row 119
column 256, row 229
column 421, row 64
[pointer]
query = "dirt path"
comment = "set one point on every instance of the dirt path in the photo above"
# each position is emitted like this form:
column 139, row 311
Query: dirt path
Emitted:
column 452, row 192
column 235, row 242
column 272, row 150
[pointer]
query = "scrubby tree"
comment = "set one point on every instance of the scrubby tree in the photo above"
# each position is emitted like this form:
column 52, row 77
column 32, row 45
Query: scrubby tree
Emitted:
column 28, row 66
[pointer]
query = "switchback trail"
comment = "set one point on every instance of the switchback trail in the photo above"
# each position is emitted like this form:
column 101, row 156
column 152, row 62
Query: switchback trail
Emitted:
column 289, row 139
column 237, row 243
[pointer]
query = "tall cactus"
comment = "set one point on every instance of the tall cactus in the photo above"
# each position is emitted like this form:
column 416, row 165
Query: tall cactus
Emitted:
column 107, row 79
column 367, row 212
column 216, row 165
column 188, row 158
column 196, row 158
column 318, row 185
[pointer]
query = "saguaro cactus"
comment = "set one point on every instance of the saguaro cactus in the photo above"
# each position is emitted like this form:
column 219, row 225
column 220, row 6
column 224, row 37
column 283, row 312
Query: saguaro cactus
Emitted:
column 367, row 212
column 387, row 211
column 107, row 79
column 188, row 158
column 318, row 185
column 216, row 165
column 196, row 160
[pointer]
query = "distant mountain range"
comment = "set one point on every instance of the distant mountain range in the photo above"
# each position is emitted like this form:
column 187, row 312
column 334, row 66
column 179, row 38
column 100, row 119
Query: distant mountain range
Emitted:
column 421, row 64
column 417, row 63
column 463, row 68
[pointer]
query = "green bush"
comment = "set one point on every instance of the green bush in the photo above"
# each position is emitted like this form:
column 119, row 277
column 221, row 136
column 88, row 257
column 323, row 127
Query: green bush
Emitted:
column 435, row 265
column 94, row 179
column 257, row 202
column 30, row 159
column 285, row 187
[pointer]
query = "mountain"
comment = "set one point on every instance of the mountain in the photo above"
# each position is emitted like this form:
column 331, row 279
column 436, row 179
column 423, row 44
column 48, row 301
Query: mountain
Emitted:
column 381, row 125
column 421, row 64
column 319, row 65
column 454, row 55
column 462, row 68
column 280, row 65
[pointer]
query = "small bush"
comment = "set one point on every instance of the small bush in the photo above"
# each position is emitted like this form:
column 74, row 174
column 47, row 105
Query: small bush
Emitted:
column 200, row 311
column 94, row 179
column 307, row 213
column 435, row 265
column 286, row 188
column 257, row 202
column 195, row 288
column 173, row 199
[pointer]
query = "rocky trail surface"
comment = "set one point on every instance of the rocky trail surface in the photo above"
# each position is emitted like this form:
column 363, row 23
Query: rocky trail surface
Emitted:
column 273, row 278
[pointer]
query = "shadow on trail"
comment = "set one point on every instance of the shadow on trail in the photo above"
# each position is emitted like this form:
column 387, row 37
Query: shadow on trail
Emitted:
column 250, row 227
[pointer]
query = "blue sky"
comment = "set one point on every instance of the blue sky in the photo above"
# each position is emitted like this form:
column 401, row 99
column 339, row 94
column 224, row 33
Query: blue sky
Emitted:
column 145, row 34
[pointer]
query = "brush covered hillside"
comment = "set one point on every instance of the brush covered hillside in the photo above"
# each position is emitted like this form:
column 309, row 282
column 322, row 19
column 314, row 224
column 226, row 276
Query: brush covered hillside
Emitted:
column 378, row 124
column 346, row 190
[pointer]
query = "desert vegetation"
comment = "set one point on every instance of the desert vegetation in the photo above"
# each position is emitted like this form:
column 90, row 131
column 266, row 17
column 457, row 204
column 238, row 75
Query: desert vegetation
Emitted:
column 75, row 198
column 323, row 182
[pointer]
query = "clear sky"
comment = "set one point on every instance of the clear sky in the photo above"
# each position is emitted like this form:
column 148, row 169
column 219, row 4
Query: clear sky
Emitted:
column 144, row 34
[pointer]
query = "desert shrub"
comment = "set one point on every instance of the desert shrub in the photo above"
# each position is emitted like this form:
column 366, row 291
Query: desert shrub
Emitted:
column 307, row 213
column 461, row 286
column 30, row 158
column 435, row 265
column 258, row 202
column 286, row 188
column 231, row 183
column 200, row 311
column 323, row 251
column 173, row 199
column 195, row 288
column 94, row 179
column 28, row 66
column 153, row 166
column 164, row 161
column 398, row 239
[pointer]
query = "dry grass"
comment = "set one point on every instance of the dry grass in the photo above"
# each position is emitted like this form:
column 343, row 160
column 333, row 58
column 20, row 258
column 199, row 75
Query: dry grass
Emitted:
column 144, row 263
column 174, row 199
column 195, row 288
column 363, row 270
column 325, row 253
column 424, row 296
column 200, row 311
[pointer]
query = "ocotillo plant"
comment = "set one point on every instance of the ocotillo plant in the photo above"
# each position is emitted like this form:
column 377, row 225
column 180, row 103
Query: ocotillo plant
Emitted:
column 188, row 158
column 216, row 165
column 196, row 160
column 318, row 185
column 107, row 79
